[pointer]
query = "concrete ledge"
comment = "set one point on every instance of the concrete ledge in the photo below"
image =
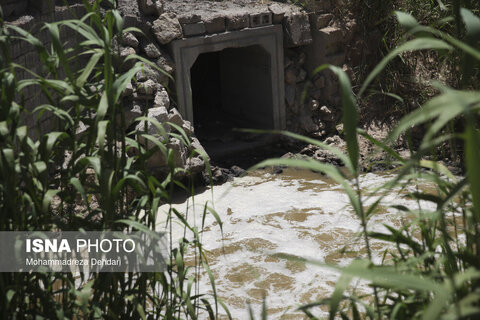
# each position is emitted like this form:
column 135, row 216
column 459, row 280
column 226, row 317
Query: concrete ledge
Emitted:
column 193, row 29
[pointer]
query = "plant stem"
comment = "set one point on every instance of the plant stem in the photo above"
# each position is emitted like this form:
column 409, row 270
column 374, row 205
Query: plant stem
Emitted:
column 367, row 241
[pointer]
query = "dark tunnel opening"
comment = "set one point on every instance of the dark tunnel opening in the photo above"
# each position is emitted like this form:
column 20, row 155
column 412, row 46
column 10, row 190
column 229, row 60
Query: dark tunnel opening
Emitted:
column 231, row 89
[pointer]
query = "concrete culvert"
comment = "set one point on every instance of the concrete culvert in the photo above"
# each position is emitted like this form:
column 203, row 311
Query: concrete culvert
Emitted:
column 232, row 89
column 231, row 80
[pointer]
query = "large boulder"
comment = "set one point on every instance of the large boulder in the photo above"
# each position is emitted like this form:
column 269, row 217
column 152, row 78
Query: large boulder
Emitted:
column 180, row 152
column 297, row 29
column 195, row 165
column 132, row 16
column 151, row 7
column 150, row 73
column 128, row 39
column 197, row 147
column 167, row 28
column 165, row 62
column 161, row 98
column 148, row 87
column 151, row 50
column 175, row 117
column 132, row 110
column 124, row 54
column 159, row 114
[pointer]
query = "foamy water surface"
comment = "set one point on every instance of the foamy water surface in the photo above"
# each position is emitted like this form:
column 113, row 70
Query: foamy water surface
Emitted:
column 297, row 213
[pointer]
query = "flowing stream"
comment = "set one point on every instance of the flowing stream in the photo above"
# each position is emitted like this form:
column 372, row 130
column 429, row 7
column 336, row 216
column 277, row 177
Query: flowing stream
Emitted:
column 297, row 213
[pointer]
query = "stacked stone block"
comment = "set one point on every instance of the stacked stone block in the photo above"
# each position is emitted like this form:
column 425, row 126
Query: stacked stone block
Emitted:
column 23, row 54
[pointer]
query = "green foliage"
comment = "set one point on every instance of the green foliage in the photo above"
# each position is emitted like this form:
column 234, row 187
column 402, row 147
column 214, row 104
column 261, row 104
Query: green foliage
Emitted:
column 432, row 270
column 408, row 75
column 64, row 180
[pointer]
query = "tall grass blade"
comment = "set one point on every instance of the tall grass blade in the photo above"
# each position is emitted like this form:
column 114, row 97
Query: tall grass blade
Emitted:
column 412, row 45
column 472, row 154
column 350, row 116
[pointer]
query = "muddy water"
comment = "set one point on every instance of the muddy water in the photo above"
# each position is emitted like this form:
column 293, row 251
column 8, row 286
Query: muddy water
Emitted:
column 298, row 214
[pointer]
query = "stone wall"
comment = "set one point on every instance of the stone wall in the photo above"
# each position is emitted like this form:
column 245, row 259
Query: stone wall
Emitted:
column 313, row 98
column 146, row 96
column 30, row 15
column 312, row 37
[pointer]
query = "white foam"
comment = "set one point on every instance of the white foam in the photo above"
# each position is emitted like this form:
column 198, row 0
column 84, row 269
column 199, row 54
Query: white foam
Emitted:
column 260, row 210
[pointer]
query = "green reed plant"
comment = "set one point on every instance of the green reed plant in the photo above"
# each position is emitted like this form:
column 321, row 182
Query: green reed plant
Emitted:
column 408, row 76
column 432, row 270
column 61, row 180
